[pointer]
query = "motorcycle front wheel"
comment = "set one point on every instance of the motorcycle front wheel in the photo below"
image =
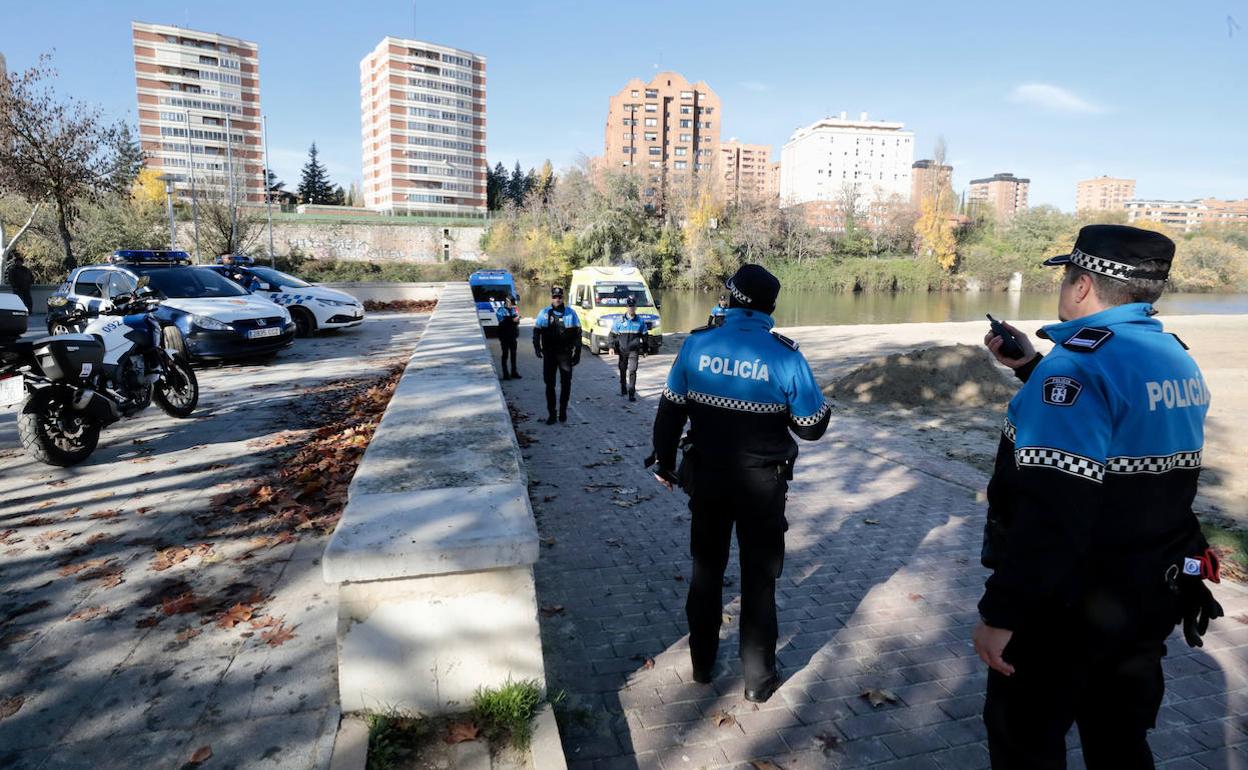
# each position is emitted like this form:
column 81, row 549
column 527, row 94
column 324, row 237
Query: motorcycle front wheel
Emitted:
column 55, row 434
column 177, row 390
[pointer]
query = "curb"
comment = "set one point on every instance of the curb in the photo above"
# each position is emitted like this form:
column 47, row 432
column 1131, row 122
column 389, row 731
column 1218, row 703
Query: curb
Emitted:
column 350, row 745
column 546, row 748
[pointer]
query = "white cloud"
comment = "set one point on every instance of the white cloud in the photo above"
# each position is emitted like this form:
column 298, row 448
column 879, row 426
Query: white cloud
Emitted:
column 1052, row 98
column 755, row 85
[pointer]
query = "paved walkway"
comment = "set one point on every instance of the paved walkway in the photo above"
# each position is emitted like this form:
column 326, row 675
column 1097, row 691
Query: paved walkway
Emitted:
column 879, row 591
column 80, row 582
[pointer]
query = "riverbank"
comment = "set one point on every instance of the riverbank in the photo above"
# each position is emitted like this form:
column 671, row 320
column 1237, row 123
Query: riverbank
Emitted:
column 970, row 435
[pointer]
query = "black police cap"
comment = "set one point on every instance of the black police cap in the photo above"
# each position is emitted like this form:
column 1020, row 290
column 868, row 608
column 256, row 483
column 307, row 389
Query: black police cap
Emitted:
column 753, row 287
column 1117, row 251
column 556, row 291
column 631, row 302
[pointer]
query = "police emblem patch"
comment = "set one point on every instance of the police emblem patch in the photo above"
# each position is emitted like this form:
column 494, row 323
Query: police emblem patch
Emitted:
column 1061, row 391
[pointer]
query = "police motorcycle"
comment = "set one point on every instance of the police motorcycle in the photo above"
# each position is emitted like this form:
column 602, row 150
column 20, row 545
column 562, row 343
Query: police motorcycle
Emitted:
column 76, row 384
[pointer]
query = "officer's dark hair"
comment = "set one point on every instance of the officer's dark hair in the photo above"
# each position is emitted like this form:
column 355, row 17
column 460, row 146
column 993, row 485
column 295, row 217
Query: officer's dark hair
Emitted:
column 1112, row 291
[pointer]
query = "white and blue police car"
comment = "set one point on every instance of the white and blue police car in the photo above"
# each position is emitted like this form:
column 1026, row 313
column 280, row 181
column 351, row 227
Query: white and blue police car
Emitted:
column 311, row 307
column 203, row 315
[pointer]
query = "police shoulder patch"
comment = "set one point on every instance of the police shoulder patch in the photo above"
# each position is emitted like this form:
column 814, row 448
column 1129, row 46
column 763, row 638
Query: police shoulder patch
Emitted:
column 1060, row 391
column 1088, row 339
column 788, row 343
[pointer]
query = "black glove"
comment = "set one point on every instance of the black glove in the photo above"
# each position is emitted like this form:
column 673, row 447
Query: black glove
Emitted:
column 576, row 355
column 537, row 352
column 1198, row 607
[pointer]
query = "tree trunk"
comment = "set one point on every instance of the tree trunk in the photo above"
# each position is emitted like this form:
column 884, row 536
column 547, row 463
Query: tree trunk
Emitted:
column 62, row 227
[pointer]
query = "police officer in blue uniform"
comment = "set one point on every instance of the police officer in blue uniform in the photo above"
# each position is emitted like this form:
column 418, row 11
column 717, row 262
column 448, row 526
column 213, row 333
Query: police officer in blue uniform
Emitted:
column 745, row 392
column 716, row 318
column 1095, row 551
column 630, row 340
column 557, row 341
column 508, row 333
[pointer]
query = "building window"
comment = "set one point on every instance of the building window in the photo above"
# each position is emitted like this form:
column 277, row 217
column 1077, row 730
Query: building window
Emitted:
column 655, row 150
column 651, row 122
column 686, row 137
column 686, row 94
column 630, row 121
column 681, row 165
column 633, row 93
column 686, row 109
column 652, row 136
column 652, row 107
column 652, row 93
column 681, row 151
column 655, row 164
column 686, row 124
column 629, row 150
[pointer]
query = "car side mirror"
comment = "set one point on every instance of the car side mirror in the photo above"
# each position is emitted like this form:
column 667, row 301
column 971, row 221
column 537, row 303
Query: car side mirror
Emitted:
column 585, row 304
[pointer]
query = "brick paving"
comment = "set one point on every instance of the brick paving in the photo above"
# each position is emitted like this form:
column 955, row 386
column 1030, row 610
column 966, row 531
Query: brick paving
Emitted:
column 99, row 691
column 879, row 590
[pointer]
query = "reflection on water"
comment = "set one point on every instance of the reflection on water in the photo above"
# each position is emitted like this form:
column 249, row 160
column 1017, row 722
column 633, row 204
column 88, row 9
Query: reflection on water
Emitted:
column 684, row 310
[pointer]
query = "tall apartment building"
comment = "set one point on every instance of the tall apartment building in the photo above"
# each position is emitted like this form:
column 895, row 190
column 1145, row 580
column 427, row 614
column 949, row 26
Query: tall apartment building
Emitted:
column 422, row 115
column 1220, row 212
column 930, row 179
column 1105, row 193
column 1003, row 194
column 1186, row 216
column 666, row 130
column 747, row 172
column 188, row 83
column 820, row 161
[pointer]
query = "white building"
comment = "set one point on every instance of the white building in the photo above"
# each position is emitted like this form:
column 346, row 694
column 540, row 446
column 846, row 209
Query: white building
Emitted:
column 822, row 159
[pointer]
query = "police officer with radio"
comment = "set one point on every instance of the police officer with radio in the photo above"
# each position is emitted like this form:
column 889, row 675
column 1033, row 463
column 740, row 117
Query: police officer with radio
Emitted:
column 557, row 341
column 1095, row 551
column 744, row 390
column 630, row 340
column 716, row 318
column 508, row 334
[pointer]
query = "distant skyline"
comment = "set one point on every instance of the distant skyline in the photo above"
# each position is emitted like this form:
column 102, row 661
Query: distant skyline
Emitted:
column 1056, row 93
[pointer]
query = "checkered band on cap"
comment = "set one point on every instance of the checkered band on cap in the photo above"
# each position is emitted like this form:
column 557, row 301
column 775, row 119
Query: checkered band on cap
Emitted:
column 740, row 295
column 1057, row 459
column 675, row 398
column 1159, row 464
column 736, row 404
column 1095, row 264
column 806, row 422
column 1008, row 430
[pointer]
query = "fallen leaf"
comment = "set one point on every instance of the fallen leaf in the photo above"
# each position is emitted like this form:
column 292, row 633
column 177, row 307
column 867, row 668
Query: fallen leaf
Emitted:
column 870, row 521
column 147, row 622
column 201, row 755
column 87, row 613
column 11, row 705
column 549, row 542
column 878, row 697
column 178, row 604
column 678, row 578
column 552, row 610
column 765, row 764
column 234, row 615
column 186, row 634
column 264, row 622
column 827, row 741
column 916, row 597
column 167, row 557
column 75, row 568
column 111, row 513
column 462, row 731
column 722, row 718
column 277, row 635
column 648, row 664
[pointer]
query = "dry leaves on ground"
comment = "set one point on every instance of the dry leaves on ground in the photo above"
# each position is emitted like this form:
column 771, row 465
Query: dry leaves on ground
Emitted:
column 87, row 613
column 201, row 755
column 76, row 567
column 878, row 696
column 765, row 764
column 186, row 634
column 11, row 705
column 239, row 613
column 723, row 719
column 400, row 306
column 184, row 602
column 111, row 513
column 551, row 610
column 459, row 732
column 278, row 634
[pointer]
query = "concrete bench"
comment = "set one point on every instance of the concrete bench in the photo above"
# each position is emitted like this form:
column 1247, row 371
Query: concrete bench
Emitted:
column 433, row 557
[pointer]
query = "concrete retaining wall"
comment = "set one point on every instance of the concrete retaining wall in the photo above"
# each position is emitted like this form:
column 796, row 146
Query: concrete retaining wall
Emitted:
column 377, row 291
column 364, row 241
column 434, row 555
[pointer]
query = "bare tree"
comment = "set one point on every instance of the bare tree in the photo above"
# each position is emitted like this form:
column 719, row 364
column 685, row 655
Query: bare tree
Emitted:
column 225, row 226
column 53, row 150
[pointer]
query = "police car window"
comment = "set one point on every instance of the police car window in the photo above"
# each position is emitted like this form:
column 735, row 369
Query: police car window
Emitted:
column 617, row 294
column 490, row 293
column 120, row 283
column 190, row 282
column 91, row 283
column 278, row 278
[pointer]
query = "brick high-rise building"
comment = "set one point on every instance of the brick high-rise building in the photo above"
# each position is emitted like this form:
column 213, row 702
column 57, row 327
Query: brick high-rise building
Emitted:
column 422, row 114
column 929, row 179
column 747, row 172
column 188, row 84
column 822, row 160
column 1004, row 194
column 667, row 131
column 1186, row 216
column 1105, row 193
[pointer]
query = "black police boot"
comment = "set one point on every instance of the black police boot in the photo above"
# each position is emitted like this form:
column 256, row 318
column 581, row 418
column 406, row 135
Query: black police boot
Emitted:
column 563, row 415
column 702, row 677
column 515, row 375
column 762, row 693
column 506, row 376
column 632, row 395
column 623, row 390
column 550, row 420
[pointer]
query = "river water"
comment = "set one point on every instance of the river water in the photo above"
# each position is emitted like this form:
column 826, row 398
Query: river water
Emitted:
column 683, row 310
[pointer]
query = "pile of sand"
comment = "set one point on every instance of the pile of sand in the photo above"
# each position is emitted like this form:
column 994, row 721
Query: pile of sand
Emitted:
column 950, row 375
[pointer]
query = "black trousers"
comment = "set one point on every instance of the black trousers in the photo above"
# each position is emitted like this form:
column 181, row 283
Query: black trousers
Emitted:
column 24, row 296
column 561, row 363
column 628, row 369
column 509, row 354
column 752, row 500
column 1112, row 692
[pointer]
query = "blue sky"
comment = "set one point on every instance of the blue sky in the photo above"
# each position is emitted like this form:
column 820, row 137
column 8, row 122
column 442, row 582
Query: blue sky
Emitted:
column 1055, row 91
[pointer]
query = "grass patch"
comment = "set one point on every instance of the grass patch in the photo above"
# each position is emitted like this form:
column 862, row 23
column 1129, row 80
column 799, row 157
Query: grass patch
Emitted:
column 1231, row 545
column 506, row 713
column 395, row 738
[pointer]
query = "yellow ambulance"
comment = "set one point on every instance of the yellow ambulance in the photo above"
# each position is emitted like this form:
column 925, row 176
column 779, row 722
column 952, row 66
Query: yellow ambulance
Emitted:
column 600, row 295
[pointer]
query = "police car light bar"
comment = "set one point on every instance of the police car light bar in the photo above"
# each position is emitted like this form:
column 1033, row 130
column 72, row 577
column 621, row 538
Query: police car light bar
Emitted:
column 149, row 257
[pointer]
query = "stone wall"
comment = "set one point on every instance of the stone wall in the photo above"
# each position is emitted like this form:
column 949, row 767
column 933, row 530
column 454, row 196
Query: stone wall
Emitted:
column 363, row 241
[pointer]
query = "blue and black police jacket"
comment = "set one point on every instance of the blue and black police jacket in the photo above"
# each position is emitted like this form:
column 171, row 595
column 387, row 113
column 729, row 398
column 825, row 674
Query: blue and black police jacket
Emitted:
column 557, row 330
column 1091, row 496
column 716, row 318
column 744, row 390
column 628, row 335
column 508, row 322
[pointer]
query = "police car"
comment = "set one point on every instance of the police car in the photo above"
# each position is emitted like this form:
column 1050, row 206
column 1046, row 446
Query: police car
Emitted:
column 311, row 307
column 203, row 315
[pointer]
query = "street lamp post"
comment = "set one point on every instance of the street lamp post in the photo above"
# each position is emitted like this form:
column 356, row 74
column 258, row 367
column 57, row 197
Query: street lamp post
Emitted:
column 268, row 194
column 173, row 228
column 229, row 170
column 190, row 159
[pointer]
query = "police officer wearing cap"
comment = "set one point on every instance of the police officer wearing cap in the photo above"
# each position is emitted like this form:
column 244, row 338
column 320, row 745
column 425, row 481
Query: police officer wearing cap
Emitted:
column 508, row 335
column 1095, row 551
column 630, row 340
column 716, row 317
column 745, row 392
column 557, row 341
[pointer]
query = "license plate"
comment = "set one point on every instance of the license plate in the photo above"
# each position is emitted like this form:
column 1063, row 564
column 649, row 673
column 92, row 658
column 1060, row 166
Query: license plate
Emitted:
column 12, row 392
column 254, row 334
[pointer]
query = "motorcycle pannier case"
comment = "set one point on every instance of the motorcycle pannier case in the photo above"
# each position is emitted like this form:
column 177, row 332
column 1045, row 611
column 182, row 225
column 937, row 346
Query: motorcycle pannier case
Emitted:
column 71, row 357
column 12, row 317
